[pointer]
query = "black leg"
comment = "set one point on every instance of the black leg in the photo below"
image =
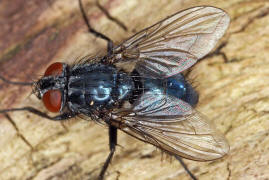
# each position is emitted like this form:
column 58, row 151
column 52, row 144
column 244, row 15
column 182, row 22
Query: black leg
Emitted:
column 186, row 168
column 16, row 83
column 97, row 34
column 112, row 147
column 63, row 116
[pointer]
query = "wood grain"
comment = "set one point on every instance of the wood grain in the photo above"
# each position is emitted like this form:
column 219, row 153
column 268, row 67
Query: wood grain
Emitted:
column 233, row 83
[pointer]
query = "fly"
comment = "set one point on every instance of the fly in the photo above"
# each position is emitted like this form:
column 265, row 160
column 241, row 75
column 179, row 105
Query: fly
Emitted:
column 153, row 101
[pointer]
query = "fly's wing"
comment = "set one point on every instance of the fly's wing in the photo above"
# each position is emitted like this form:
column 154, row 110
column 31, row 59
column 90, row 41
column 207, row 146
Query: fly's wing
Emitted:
column 175, row 43
column 173, row 126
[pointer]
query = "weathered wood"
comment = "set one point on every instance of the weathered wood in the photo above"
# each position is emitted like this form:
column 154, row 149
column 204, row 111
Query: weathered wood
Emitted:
column 233, row 83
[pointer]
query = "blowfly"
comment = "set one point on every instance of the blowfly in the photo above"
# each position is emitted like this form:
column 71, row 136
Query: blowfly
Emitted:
column 151, row 100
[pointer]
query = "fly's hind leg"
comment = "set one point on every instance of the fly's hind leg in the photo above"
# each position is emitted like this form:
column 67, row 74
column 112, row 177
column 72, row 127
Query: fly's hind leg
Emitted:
column 112, row 147
column 186, row 168
column 96, row 33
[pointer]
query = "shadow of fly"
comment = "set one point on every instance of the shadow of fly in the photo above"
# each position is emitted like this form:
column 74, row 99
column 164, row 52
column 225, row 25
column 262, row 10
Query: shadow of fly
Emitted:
column 152, row 101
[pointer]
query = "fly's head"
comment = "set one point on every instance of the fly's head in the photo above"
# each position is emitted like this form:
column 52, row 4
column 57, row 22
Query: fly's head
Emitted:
column 51, row 88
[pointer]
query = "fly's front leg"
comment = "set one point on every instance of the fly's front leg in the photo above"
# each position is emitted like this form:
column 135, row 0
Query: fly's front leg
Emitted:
column 64, row 116
column 96, row 33
column 112, row 146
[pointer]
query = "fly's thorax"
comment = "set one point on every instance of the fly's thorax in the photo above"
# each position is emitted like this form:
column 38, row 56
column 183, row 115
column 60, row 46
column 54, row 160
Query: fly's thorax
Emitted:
column 96, row 87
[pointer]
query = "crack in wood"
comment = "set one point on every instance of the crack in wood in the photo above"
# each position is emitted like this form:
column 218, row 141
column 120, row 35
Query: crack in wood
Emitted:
column 58, row 160
column 49, row 138
column 118, row 175
column 64, row 127
column 19, row 134
column 43, row 168
column 74, row 168
column 230, row 127
column 218, row 52
column 229, row 172
column 262, row 13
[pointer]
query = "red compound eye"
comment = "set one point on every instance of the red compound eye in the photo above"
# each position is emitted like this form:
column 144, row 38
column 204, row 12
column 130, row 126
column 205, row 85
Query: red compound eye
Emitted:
column 54, row 69
column 52, row 99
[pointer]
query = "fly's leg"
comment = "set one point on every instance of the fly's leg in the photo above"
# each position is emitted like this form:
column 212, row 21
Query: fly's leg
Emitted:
column 112, row 146
column 15, row 82
column 186, row 168
column 64, row 116
column 97, row 34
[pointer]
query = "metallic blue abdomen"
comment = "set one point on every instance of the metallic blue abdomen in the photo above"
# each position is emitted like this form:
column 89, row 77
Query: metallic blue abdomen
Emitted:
column 175, row 86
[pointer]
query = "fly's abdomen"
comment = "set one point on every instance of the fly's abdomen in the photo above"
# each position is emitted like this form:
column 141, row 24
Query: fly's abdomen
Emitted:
column 175, row 86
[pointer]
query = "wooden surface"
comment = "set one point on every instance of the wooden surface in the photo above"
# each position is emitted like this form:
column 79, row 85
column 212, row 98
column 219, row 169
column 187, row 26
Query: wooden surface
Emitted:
column 233, row 83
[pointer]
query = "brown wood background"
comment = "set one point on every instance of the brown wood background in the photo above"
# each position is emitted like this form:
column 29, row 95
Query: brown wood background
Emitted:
column 233, row 83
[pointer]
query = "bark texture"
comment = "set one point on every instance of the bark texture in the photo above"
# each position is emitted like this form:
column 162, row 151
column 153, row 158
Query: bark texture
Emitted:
column 233, row 82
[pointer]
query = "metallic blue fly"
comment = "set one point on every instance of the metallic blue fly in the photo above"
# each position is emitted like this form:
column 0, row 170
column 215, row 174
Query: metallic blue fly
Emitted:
column 151, row 100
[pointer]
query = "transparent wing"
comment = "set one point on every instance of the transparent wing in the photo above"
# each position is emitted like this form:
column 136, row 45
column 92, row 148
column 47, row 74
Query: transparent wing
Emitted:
column 175, row 43
column 173, row 126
